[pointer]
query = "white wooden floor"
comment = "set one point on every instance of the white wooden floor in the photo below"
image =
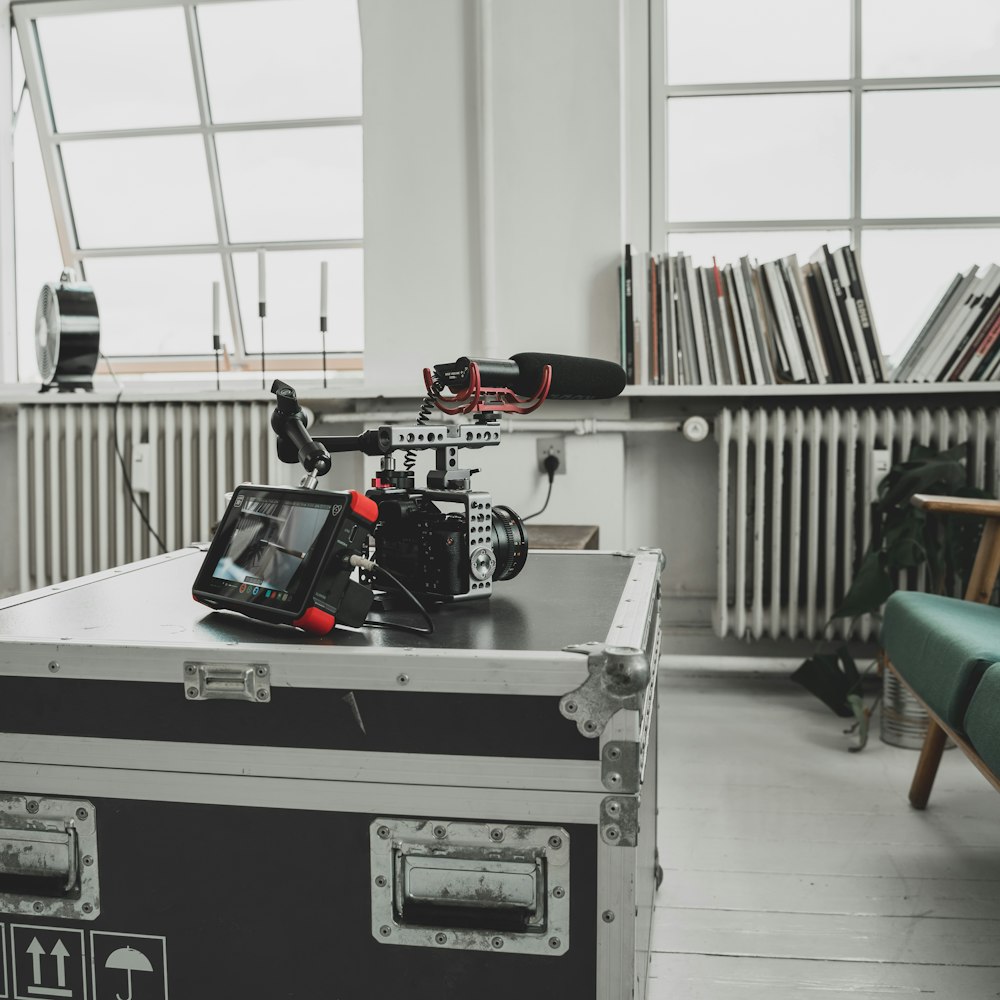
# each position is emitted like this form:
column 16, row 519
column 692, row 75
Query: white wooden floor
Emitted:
column 794, row 869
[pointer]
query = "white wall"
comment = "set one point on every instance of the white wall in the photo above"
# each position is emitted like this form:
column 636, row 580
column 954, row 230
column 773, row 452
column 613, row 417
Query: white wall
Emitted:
column 505, row 239
column 553, row 72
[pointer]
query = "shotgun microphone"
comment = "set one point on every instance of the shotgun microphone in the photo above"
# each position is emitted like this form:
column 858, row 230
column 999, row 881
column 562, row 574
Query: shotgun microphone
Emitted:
column 572, row 377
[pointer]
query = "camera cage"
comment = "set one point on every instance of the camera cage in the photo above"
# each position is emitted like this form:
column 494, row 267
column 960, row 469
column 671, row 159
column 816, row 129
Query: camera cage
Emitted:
column 447, row 481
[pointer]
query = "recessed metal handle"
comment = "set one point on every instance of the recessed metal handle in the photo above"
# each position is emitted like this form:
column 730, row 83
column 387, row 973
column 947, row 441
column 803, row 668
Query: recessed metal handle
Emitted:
column 457, row 883
column 48, row 857
column 41, row 854
column 473, row 886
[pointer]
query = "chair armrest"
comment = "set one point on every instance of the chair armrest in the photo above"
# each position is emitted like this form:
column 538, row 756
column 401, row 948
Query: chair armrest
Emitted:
column 956, row 505
column 987, row 565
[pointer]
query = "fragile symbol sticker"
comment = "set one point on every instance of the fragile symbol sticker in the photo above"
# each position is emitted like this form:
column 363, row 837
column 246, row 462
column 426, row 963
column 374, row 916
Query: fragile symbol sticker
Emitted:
column 128, row 966
column 47, row 962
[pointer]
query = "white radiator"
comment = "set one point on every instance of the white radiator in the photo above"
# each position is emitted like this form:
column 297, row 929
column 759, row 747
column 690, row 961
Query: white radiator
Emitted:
column 795, row 489
column 75, row 516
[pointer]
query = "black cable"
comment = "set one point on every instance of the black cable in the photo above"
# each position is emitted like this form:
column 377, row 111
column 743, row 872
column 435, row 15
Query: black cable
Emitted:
column 551, row 464
column 121, row 457
column 399, row 625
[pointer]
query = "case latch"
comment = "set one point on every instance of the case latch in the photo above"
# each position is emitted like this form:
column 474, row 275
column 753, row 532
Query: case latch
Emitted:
column 243, row 682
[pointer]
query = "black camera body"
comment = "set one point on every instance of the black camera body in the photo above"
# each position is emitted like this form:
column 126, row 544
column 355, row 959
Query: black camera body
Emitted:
column 447, row 555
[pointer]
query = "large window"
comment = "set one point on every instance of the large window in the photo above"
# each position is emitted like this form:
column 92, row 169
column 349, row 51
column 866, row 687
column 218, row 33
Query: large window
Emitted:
column 779, row 125
column 159, row 146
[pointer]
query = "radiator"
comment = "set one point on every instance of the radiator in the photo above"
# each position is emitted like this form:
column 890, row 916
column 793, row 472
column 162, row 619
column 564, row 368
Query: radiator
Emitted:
column 795, row 492
column 75, row 516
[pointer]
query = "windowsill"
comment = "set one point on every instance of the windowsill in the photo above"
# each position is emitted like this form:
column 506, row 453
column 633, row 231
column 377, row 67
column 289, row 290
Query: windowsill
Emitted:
column 200, row 388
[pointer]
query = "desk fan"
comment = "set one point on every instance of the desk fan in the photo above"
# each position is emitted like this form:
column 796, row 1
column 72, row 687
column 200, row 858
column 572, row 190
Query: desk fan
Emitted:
column 67, row 334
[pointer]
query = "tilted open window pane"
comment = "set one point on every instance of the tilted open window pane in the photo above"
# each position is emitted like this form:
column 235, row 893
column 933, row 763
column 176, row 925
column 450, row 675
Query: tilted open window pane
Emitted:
column 930, row 38
column 271, row 61
column 39, row 259
column 144, row 191
column 292, row 184
column 293, row 300
column 120, row 69
column 158, row 304
column 730, row 41
column 753, row 157
column 908, row 270
column 16, row 71
column 931, row 153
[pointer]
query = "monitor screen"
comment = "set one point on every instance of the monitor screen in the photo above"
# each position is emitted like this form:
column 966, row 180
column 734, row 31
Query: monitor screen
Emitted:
column 267, row 541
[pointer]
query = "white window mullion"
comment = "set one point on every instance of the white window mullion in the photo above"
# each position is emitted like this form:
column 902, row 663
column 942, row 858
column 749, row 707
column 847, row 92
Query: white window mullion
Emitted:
column 856, row 132
column 45, row 124
column 215, row 183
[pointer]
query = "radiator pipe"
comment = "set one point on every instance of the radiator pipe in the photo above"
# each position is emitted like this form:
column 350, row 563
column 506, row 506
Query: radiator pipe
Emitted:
column 693, row 428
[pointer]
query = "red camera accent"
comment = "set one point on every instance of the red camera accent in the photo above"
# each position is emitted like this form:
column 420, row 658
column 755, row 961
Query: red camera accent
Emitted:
column 477, row 398
column 315, row 621
column 364, row 507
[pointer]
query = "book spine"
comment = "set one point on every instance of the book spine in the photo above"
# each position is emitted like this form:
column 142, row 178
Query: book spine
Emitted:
column 826, row 325
column 949, row 301
column 840, row 299
column 629, row 319
column 654, row 323
column 860, row 293
column 800, row 299
column 670, row 326
column 781, row 356
column 688, row 367
column 982, row 329
column 708, row 324
column 723, row 325
column 979, row 363
column 736, row 319
column 697, row 328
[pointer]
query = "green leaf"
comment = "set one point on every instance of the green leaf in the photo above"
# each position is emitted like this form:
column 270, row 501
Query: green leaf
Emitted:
column 940, row 476
column 861, row 718
column 821, row 675
column 869, row 589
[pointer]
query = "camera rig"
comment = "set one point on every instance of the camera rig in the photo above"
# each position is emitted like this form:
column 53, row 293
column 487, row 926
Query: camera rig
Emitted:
column 441, row 556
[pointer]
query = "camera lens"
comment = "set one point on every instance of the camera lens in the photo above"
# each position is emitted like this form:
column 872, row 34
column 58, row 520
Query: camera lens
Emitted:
column 510, row 543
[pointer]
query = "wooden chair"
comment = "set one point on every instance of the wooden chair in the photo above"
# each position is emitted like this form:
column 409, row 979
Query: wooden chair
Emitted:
column 980, row 590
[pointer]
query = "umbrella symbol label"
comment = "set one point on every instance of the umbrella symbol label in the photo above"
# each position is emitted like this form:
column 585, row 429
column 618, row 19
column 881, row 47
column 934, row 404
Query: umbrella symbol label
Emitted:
column 128, row 966
column 47, row 962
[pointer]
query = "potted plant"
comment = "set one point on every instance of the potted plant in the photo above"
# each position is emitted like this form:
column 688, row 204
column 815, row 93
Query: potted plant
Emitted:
column 904, row 538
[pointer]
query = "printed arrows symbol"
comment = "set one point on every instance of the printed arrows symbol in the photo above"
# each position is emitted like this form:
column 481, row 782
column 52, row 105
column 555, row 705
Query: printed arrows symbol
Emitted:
column 35, row 950
column 61, row 954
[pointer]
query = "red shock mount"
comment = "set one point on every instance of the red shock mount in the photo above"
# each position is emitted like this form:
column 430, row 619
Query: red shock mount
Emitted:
column 478, row 398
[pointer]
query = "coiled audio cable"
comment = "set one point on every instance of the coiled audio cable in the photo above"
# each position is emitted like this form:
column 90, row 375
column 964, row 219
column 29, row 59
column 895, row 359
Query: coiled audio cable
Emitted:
column 423, row 416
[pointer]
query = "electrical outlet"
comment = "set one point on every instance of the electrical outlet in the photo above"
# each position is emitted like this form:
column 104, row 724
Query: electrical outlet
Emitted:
column 551, row 446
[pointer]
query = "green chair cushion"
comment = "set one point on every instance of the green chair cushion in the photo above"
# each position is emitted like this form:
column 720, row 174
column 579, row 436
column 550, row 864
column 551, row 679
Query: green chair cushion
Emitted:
column 942, row 647
column 982, row 720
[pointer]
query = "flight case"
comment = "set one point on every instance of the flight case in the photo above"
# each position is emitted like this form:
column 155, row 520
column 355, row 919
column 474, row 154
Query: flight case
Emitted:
column 197, row 805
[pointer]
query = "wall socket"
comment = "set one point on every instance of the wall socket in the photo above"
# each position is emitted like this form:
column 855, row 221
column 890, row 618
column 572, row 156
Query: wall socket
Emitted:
column 551, row 446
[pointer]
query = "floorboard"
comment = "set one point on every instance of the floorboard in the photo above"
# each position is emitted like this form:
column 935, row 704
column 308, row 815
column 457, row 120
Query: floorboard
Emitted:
column 794, row 868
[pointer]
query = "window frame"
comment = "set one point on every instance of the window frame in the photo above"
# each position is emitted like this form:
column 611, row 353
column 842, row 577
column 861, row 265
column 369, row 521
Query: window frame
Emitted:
column 855, row 85
column 24, row 13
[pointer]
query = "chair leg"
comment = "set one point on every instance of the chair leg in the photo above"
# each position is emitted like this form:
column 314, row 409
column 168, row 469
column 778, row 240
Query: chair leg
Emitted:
column 930, row 757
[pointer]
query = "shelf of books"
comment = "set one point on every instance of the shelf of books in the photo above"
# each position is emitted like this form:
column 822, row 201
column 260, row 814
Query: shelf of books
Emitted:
column 800, row 329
